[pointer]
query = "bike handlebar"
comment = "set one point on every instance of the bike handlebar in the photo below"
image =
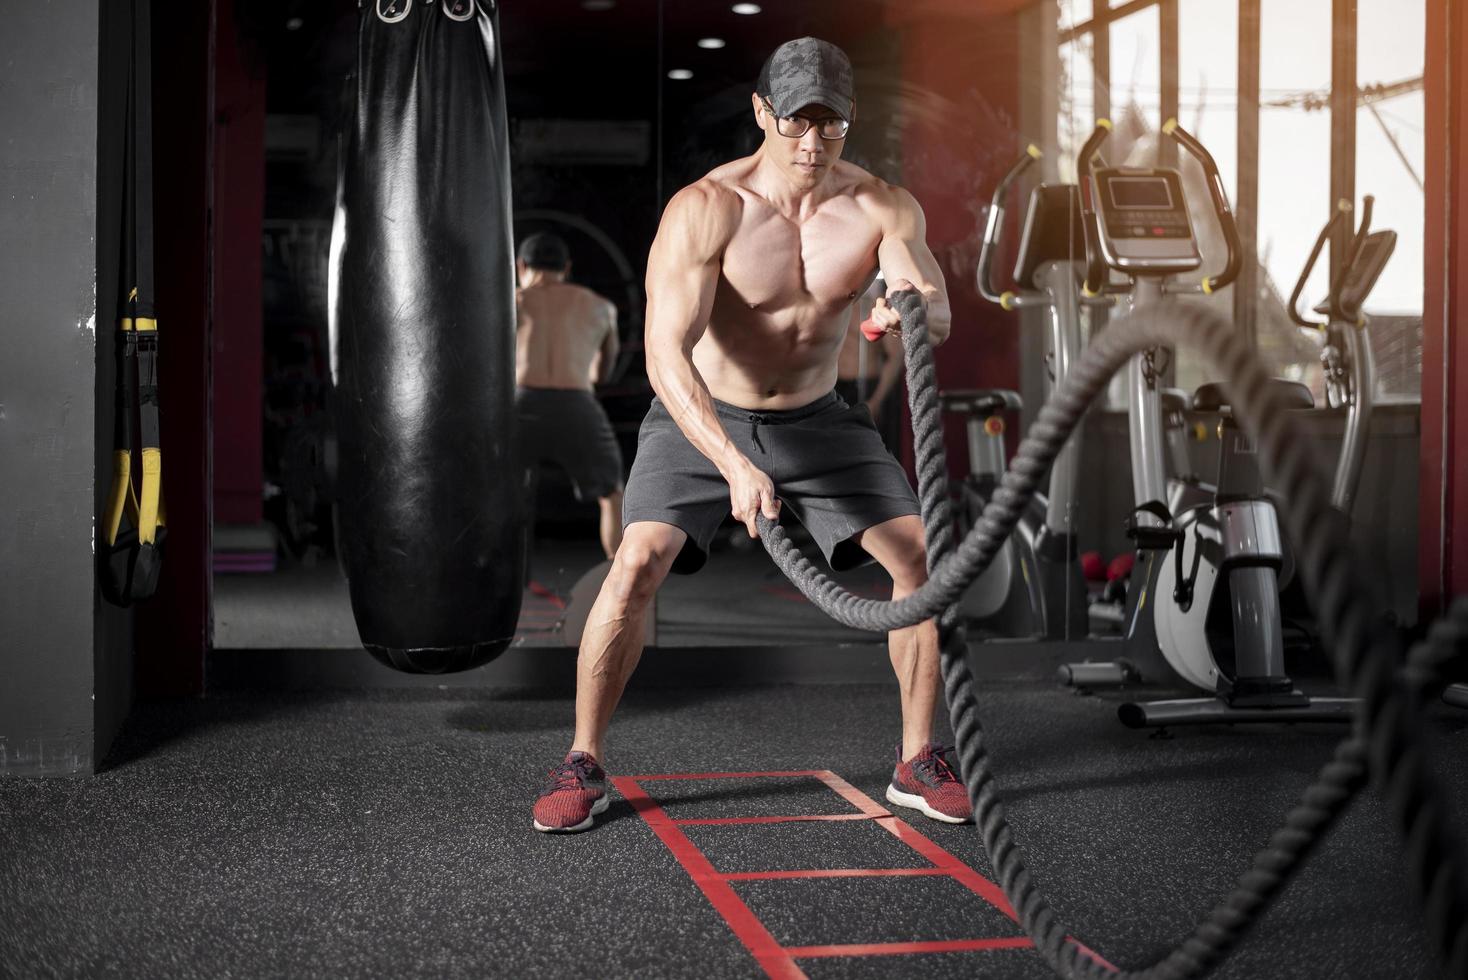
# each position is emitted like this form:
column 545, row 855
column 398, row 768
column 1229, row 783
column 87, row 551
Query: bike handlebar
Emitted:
column 1343, row 210
column 994, row 228
column 1221, row 208
column 1095, row 279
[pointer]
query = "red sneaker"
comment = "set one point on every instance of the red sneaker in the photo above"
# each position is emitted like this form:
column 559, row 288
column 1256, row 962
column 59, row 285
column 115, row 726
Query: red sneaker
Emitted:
column 575, row 792
column 927, row 783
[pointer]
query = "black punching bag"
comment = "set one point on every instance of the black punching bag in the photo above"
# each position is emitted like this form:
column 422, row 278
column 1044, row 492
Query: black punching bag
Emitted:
column 423, row 340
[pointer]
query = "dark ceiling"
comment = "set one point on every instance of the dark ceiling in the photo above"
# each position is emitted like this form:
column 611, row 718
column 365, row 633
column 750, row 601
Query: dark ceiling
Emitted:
column 565, row 60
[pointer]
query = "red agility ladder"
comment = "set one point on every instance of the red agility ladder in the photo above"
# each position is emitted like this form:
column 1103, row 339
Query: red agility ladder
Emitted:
column 779, row 961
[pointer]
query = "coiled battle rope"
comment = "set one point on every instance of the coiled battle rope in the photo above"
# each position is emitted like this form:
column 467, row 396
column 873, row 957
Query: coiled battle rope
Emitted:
column 1386, row 741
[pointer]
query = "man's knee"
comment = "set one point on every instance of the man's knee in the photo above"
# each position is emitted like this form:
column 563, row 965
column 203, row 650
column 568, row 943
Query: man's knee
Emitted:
column 910, row 563
column 640, row 567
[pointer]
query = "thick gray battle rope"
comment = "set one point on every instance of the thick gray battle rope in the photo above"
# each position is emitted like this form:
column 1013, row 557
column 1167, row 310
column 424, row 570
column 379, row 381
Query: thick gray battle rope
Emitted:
column 1366, row 656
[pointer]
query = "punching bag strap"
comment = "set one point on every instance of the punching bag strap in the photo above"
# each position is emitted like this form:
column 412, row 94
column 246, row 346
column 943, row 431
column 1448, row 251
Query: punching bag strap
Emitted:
column 459, row 10
column 133, row 527
column 392, row 11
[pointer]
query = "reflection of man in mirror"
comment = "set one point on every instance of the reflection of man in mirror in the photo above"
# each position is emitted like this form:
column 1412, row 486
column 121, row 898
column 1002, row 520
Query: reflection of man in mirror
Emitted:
column 869, row 372
column 565, row 342
column 750, row 286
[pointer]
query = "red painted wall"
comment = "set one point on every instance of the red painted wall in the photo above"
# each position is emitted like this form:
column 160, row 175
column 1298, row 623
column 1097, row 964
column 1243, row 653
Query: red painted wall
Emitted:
column 964, row 72
column 239, row 207
column 1443, row 474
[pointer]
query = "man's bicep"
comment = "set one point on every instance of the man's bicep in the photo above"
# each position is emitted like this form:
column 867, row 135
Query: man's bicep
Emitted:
column 910, row 259
column 903, row 252
column 682, row 271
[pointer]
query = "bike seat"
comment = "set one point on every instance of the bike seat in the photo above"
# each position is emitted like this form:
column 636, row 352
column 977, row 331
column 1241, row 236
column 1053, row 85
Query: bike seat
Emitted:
column 1213, row 397
column 980, row 401
column 1174, row 400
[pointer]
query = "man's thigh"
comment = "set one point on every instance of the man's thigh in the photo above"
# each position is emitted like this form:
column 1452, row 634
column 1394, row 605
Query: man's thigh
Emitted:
column 839, row 479
column 672, row 483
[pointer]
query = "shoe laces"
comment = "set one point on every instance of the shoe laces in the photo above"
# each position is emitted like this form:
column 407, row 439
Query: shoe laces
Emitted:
column 935, row 766
column 571, row 774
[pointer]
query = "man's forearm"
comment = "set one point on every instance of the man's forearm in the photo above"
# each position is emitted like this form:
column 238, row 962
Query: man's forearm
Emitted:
column 686, row 397
column 940, row 315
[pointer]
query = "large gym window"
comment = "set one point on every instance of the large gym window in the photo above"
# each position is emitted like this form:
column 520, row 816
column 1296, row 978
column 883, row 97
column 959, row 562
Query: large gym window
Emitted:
column 1301, row 102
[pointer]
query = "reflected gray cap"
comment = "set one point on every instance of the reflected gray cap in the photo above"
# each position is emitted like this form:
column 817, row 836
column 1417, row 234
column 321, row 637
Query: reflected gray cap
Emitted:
column 807, row 71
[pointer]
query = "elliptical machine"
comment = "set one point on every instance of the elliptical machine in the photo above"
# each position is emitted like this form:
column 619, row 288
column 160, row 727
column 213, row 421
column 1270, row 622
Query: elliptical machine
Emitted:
column 1034, row 587
column 1344, row 337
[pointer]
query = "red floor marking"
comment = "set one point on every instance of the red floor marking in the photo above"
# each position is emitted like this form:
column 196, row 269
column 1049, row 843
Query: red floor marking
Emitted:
column 896, row 949
column 779, row 961
column 751, row 932
column 727, row 821
column 837, row 873
column 940, row 858
column 540, row 590
column 1088, row 951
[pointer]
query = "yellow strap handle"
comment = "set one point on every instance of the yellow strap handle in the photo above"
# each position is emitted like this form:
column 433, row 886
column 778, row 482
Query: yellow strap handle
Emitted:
column 151, row 503
column 118, row 496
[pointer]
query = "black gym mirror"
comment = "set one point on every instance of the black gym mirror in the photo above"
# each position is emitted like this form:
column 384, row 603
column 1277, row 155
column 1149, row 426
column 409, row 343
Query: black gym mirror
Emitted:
column 658, row 95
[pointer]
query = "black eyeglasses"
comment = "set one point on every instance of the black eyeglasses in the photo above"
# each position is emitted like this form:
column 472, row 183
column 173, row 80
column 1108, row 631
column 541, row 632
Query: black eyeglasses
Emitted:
column 794, row 127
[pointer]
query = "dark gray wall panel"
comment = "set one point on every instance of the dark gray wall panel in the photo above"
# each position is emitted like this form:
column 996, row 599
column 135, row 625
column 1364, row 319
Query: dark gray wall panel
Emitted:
column 48, row 278
column 113, row 643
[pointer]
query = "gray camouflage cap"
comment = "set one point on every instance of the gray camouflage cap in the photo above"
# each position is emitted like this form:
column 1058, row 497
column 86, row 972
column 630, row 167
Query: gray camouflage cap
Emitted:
column 804, row 72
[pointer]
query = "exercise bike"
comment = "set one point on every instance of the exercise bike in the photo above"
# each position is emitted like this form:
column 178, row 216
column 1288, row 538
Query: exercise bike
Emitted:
column 1218, row 618
column 1136, row 222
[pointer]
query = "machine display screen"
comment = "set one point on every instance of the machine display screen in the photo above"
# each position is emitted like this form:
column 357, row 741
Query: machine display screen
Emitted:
column 1140, row 192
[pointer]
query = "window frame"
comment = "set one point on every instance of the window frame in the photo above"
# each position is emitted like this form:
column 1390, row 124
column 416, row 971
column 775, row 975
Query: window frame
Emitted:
column 1343, row 106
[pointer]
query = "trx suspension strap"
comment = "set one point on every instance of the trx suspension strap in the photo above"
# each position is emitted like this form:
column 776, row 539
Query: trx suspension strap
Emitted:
column 133, row 526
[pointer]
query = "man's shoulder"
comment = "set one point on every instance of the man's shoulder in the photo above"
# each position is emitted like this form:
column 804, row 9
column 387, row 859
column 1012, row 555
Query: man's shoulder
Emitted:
column 571, row 292
column 704, row 215
column 872, row 191
column 714, row 194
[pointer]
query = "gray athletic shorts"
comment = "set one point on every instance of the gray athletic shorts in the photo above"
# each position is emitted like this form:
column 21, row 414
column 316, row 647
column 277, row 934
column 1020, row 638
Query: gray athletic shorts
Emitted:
column 570, row 428
column 826, row 459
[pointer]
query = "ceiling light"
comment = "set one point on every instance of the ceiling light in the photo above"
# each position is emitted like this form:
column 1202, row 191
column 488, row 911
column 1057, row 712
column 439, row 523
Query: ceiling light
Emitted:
column 745, row 8
column 680, row 74
column 711, row 43
column 294, row 24
column 598, row 4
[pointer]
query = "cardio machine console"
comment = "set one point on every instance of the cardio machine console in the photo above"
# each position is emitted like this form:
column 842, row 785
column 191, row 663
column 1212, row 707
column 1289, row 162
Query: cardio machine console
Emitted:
column 1143, row 223
column 1053, row 232
column 1362, row 275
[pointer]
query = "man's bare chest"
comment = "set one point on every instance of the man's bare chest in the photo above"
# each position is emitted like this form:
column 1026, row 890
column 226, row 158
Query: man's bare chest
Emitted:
column 826, row 260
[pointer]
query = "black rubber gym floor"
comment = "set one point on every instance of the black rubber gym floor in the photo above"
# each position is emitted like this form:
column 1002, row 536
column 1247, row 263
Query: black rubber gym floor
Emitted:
column 389, row 834
column 307, row 607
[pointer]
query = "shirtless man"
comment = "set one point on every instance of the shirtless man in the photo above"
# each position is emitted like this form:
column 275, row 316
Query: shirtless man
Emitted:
column 750, row 284
column 565, row 342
